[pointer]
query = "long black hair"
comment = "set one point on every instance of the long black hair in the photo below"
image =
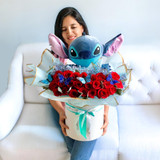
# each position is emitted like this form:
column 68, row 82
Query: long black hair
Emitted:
column 66, row 12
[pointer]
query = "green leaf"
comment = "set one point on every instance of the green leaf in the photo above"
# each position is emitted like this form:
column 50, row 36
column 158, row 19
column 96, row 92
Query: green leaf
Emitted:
column 119, row 91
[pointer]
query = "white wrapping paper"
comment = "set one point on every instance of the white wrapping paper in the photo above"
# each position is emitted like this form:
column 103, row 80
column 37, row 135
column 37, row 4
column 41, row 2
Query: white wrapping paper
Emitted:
column 76, row 120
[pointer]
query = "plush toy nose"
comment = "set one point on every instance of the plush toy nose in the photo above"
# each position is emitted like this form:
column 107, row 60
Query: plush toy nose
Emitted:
column 84, row 54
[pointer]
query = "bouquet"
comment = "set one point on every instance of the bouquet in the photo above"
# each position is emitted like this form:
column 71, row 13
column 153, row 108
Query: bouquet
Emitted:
column 84, row 89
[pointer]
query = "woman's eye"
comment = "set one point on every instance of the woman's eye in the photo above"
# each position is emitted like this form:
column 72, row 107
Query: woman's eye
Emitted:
column 73, row 53
column 63, row 30
column 97, row 50
column 74, row 27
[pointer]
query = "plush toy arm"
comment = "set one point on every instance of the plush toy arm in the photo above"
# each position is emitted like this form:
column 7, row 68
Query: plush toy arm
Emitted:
column 113, row 45
column 57, row 46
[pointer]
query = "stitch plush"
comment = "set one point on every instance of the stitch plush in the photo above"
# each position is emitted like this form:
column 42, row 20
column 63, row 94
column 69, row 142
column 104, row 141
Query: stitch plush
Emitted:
column 84, row 50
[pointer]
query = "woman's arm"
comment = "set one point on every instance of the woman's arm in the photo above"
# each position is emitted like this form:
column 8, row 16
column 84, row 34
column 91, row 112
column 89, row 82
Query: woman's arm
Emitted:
column 106, row 121
column 61, row 111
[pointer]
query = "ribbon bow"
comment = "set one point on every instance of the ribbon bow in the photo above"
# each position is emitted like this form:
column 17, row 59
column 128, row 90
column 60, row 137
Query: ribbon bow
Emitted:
column 83, row 117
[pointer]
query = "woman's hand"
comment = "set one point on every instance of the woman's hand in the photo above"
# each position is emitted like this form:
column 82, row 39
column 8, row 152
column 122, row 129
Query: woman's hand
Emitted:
column 59, row 107
column 62, row 118
column 106, row 121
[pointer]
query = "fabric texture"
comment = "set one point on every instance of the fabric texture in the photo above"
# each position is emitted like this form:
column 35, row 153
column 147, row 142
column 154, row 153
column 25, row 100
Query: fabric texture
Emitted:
column 11, row 102
column 139, row 132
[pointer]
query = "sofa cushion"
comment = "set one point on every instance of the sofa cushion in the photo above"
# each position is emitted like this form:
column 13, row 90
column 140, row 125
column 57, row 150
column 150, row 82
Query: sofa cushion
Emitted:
column 32, row 55
column 36, row 136
column 139, row 132
column 11, row 102
column 31, row 95
column 145, row 81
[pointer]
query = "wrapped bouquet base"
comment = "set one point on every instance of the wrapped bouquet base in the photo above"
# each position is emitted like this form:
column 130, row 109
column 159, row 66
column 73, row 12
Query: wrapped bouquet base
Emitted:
column 84, row 123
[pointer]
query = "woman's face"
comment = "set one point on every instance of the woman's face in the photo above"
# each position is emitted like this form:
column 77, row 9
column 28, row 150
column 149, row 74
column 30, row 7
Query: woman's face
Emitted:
column 71, row 29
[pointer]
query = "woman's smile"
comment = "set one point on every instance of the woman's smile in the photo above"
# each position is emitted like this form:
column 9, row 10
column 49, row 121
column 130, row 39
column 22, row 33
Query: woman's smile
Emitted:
column 71, row 38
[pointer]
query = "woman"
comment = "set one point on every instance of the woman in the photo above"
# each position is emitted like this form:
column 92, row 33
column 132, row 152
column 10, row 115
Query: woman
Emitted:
column 70, row 25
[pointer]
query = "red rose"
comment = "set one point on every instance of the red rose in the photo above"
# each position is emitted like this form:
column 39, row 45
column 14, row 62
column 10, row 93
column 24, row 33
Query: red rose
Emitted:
column 92, row 93
column 83, row 74
column 103, row 93
column 119, row 85
column 100, row 76
column 65, row 90
column 67, row 74
column 88, row 85
column 115, row 76
column 76, row 74
column 74, row 93
column 61, row 84
column 84, row 92
column 55, row 78
column 93, row 77
column 77, row 84
column 53, row 85
column 112, row 89
column 106, row 84
column 58, row 72
column 96, row 84
column 56, row 92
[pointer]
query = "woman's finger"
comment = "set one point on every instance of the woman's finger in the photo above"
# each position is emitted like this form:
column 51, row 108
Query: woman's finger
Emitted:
column 63, row 125
column 63, row 128
column 105, row 125
column 106, row 122
column 64, row 131
column 62, row 122
column 104, row 131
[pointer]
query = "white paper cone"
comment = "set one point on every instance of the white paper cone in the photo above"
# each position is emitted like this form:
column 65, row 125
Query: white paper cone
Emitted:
column 94, row 123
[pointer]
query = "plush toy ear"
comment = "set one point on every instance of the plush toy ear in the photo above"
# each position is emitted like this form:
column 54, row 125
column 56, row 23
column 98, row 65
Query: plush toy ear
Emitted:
column 113, row 45
column 57, row 46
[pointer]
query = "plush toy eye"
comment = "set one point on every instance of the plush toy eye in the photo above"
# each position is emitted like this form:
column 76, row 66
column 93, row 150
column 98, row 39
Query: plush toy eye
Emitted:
column 97, row 50
column 73, row 53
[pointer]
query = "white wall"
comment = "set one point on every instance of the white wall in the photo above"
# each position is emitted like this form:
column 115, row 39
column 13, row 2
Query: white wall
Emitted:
column 27, row 21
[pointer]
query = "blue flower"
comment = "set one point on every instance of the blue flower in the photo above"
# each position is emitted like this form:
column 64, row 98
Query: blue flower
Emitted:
column 109, row 78
column 67, row 81
column 106, row 66
column 61, row 78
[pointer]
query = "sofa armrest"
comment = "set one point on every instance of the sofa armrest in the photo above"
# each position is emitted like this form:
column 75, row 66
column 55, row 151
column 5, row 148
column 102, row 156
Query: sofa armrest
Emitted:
column 11, row 102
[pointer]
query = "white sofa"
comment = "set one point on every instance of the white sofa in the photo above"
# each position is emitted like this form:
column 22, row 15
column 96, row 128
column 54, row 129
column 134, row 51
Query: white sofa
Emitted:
column 28, row 130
